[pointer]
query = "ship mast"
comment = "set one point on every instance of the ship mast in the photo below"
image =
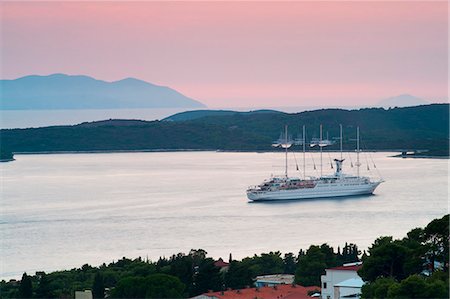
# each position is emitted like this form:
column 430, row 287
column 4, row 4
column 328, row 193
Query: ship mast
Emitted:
column 357, row 150
column 286, row 146
column 340, row 138
column 304, row 160
column 320, row 145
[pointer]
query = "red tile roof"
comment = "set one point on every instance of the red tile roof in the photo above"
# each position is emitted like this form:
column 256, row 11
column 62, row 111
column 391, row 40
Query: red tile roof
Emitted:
column 220, row 263
column 347, row 268
column 286, row 291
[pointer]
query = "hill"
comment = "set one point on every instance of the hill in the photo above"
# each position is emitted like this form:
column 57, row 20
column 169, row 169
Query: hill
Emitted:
column 196, row 114
column 60, row 91
column 412, row 128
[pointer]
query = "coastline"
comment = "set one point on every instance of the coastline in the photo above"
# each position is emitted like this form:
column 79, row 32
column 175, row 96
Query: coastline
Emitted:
column 6, row 160
column 206, row 150
column 420, row 157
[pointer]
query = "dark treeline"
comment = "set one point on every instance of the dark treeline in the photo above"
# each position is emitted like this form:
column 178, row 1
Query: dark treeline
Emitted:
column 413, row 267
column 412, row 128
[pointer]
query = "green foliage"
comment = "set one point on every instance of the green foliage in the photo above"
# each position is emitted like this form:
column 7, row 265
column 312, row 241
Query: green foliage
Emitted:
column 311, row 266
column 26, row 287
column 400, row 258
column 350, row 253
column 98, row 288
column 207, row 277
column 241, row 274
column 395, row 268
column 386, row 259
column 414, row 286
column 437, row 241
column 289, row 263
column 6, row 155
column 377, row 289
column 152, row 286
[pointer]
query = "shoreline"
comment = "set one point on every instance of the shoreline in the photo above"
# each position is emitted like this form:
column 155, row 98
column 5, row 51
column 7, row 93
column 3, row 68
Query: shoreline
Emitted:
column 207, row 150
column 7, row 160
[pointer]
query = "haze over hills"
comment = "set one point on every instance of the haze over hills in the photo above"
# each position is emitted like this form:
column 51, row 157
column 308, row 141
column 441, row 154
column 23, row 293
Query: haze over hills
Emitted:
column 60, row 91
column 403, row 100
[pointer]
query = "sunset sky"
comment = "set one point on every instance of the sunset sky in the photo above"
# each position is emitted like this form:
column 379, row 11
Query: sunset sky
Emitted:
column 239, row 54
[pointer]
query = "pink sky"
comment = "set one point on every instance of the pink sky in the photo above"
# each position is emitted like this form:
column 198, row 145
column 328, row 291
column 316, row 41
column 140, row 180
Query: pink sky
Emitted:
column 239, row 54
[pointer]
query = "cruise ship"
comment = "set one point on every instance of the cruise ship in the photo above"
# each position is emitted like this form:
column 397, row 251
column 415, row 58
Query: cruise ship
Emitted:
column 326, row 186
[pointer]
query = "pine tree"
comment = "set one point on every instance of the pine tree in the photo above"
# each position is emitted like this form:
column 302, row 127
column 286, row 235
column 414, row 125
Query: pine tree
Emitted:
column 25, row 288
column 98, row 288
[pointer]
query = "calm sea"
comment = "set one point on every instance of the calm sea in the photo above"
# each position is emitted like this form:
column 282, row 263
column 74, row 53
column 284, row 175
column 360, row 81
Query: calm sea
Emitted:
column 10, row 119
column 62, row 211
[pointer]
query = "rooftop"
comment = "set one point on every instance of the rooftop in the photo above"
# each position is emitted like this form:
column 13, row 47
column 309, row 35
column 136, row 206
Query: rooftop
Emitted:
column 347, row 268
column 280, row 291
column 220, row 263
column 351, row 283
column 276, row 278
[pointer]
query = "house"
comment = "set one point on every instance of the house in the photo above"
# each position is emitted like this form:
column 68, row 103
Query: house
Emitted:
column 342, row 282
column 350, row 288
column 274, row 279
column 222, row 265
column 86, row 294
column 276, row 292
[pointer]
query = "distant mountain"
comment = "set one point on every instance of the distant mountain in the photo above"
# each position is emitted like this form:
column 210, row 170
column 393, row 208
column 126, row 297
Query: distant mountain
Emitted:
column 404, row 100
column 60, row 91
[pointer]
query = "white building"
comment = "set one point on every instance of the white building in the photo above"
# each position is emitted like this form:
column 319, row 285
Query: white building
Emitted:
column 350, row 288
column 86, row 294
column 342, row 282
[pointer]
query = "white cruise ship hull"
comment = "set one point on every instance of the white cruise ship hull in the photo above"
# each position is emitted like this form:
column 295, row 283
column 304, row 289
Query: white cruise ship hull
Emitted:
column 319, row 191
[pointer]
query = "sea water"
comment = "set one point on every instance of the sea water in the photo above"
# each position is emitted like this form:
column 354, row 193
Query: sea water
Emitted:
column 64, row 210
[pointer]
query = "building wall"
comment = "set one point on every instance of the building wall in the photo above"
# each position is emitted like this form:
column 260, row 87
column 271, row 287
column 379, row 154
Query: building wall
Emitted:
column 87, row 294
column 341, row 292
column 333, row 277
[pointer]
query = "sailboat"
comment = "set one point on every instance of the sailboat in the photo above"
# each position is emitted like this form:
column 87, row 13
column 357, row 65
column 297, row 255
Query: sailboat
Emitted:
column 337, row 184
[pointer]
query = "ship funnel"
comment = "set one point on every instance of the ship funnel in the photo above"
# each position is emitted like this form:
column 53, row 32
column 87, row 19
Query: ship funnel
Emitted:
column 338, row 166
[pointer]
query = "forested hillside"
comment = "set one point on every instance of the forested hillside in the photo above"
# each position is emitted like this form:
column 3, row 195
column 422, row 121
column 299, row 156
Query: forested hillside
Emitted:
column 412, row 128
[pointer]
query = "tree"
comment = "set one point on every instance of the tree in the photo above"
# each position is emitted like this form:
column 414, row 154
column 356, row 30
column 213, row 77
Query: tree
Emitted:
column 182, row 267
column 414, row 242
column 44, row 289
column 207, row 278
column 152, row 286
column 386, row 259
column 238, row 275
column 414, row 286
column 26, row 287
column 310, row 267
column 329, row 255
column 437, row 241
column 349, row 254
column 289, row 263
column 197, row 256
column 377, row 289
column 268, row 263
column 98, row 288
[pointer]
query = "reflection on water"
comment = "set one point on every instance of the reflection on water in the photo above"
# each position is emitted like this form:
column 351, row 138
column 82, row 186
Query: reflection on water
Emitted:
column 62, row 211
column 336, row 199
